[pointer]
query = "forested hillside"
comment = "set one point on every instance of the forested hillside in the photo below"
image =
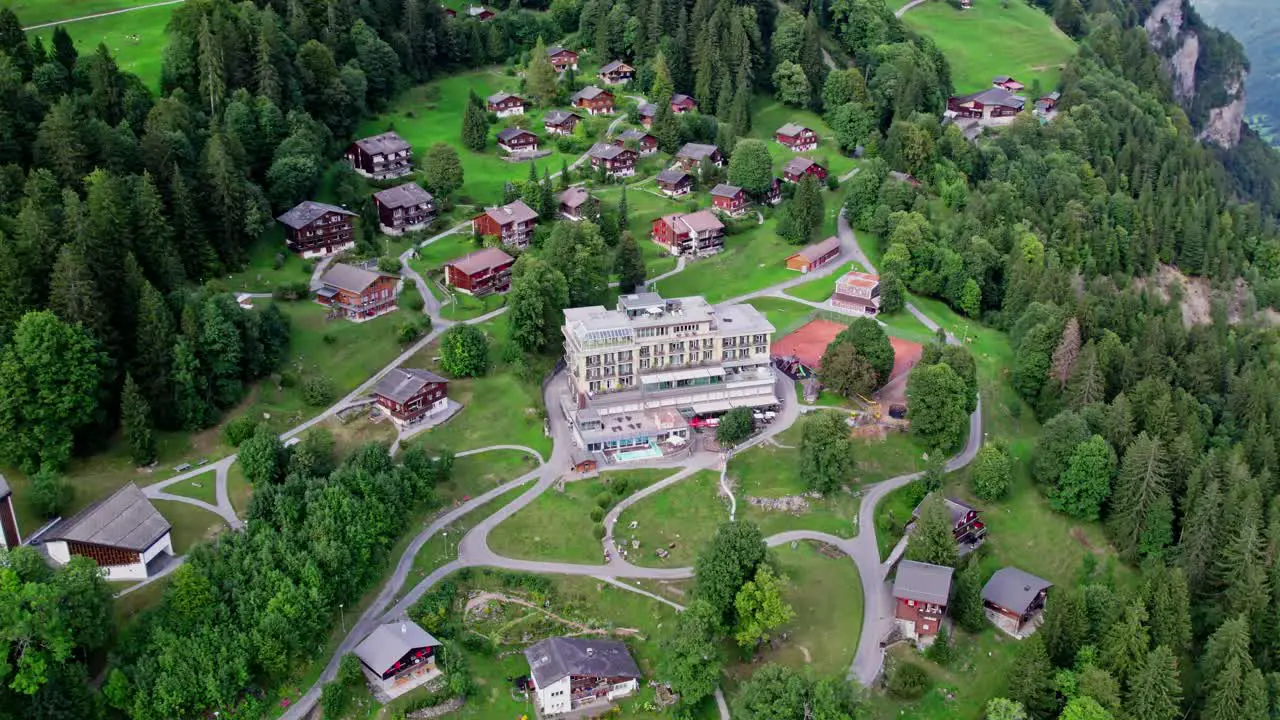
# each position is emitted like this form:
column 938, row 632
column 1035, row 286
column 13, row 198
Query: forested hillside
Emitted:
column 1255, row 25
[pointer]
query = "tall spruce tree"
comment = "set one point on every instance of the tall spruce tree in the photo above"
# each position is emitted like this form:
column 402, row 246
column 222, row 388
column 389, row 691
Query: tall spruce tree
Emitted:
column 932, row 540
column 475, row 127
column 1140, row 515
column 540, row 76
column 1155, row 692
column 135, row 415
column 629, row 265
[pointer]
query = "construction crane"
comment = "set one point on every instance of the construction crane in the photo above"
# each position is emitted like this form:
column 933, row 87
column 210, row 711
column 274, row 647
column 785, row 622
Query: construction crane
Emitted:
column 872, row 406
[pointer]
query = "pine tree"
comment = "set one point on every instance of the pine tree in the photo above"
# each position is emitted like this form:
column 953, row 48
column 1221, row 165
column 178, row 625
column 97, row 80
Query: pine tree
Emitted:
column 1126, row 643
column 1168, row 601
column 1066, row 626
column 629, row 265
column 153, row 343
column 153, row 237
column 663, row 88
column 1241, row 571
column 563, row 180
column 1155, row 691
column 74, row 295
column 1140, row 501
column 547, row 198
column 1067, row 352
column 1087, row 384
column 966, row 597
column 190, row 387
column 1226, row 669
column 805, row 213
column 622, row 207
column 540, row 76
column 811, row 56
column 475, row 127
column 666, row 128
column 1032, row 684
column 932, row 540
column 135, row 415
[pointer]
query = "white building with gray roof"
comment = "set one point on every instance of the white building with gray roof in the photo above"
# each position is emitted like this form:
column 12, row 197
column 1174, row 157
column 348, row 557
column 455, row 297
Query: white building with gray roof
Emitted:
column 122, row 533
column 579, row 673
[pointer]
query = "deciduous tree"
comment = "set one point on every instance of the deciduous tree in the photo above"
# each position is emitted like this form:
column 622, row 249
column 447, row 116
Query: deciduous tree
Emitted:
column 538, row 296
column 464, row 351
column 751, row 167
column 442, row 170
column 1086, row 483
column 826, row 452
column 735, row 426
column 727, row 562
column 760, row 608
column 932, row 540
column 936, row 399
column 845, row 372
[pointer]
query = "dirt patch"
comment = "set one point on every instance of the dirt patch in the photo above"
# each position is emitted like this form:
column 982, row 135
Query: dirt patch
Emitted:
column 1078, row 535
column 794, row 504
column 1196, row 297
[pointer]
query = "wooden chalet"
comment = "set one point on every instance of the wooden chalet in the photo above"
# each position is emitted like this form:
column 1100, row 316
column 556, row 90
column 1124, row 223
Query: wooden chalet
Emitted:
column 773, row 195
column 681, row 103
column 812, row 257
column 857, row 290
column 798, row 167
column 696, row 234
column 1014, row 599
column 966, row 523
column 315, row 229
column 796, row 138
column 616, row 73
column 1048, row 103
column 921, row 592
column 10, row 535
column 410, row 394
column 562, row 58
column 647, row 112
column 1004, row 82
column 593, row 100
column 512, row 224
column 398, row 648
column 573, row 202
column 504, row 104
column 616, row 160
column 481, row 13
column 516, row 140
column 644, row 143
column 729, row 199
column 560, row 122
column 404, row 207
column 994, row 105
column 355, row 293
column 690, row 156
column 123, row 534
column 483, row 272
column 674, row 182
column 381, row 157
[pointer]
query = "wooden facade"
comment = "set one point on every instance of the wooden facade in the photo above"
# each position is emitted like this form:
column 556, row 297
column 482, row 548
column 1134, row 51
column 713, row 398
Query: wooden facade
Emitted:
column 404, row 207
column 562, row 58
column 381, row 157
column 729, row 199
column 314, row 229
column 505, row 104
column 103, row 555
column 357, row 294
column 815, row 256
column 797, row 138
column 480, row 273
column 616, row 73
column 517, row 140
column 413, row 408
column 593, row 100
column 799, row 167
column 513, row 224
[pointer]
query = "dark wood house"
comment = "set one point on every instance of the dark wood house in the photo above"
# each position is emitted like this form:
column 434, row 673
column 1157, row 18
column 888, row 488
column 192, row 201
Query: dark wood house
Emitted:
column 729, row 199
column 690, row 156
column 1008, row 84
column 403, row 208
column 560, row 122
column 573, row 202
column 995, row 105
column 562, row 58
column 483, row 272
column 966, row 522
column 315, row 229
column 616, row 73
column 513, row 224
column 410, row 394
column 921, row 592
column 481, row 13
column 594, row 100
column 798, row 167
column 1014, row 598
column 381, row 157
column 647, row 112
column 683, row 103
column 674, row 182
column 773, row 195
column 398, row 648
column 615, row 160
column 504, row 104
column 797, row 138
column 355, row 293
column 516, row 140
column 644, row 143
column 697, row 234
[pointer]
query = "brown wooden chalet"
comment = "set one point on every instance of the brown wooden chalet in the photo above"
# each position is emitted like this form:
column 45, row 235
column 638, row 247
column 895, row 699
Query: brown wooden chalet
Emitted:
column 381, row 157
column 1013, row 599
column 773, row 195
column 312, row 229
column 483, row 272
column 674, row 182
column 410, row 394
column 798, row 167
column 797, row 138
column 560, row 122
column 812, row 257
column 594, row 100
column 616, row 160
column 512, row 224
column 398, row 648
column 616, row 73
column 991, row 104
column 729, row 199
column 690, row 156
column 1004, row 82
column 683, row 103
column 504, row 104
column 966, row 522
column 697, row 234
column 9, row 533
column 562, row 58
column 574, row 202
column 355, row 293
column 1048, row 103
column 921, row 592
column 404, row 207
column 516, row 140
column 647, row 112
column 123, row 534
column 643, row 142
column 857, row 290
column 481, row 13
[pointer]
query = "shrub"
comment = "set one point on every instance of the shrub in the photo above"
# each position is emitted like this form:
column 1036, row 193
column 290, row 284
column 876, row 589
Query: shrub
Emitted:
column 604, row 499
column 940, row 650
column 50, row 493
column 328, row 338
column 239, row 430
column 598, row 531
column 317, row 390
column 390, row 265
column 292, row 290
column 833, row 182
column 412, row 300
column 907, row 681
column 597, row 514
column 412, row 329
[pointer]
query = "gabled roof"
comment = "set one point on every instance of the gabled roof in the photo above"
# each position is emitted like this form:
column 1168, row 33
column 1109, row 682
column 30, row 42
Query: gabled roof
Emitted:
column 922, row 582
column 994, row 96
column 387, row 142
column 308, row 211
column 498, row 97
column 590, row 92
column 401, row 384
column 799, row 165
column 512, row 212
column 700, row 221
column 672, row 176
column 725, row 190
column 513, row 132
column 555, row 50
column 574, row 197
column 604, row 151
column 681, row 98
column 647, row 109
column 126, row 519
column 856, row 278
column 392, row 641
column 697, row 151
column 1013, row 588
column 559, row 117
column 615, row 65
column 1001, row 79
column 791, row 129
column 552, row 659
column 814, row 252
column 349, row 277
column 403, row 196
column 1054, row 96
column 956, row 510
column 483, row 259
column 637, row 135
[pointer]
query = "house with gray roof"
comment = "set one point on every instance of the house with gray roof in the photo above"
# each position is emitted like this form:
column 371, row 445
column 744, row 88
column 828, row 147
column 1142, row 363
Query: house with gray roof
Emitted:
column 1014, row 600
column 580, row 673
column 381, row 156
column 505, row 104
column 316, row 229
column 993, row 106
column 616, row 73
column 692, row 154
column 123, row 533
column 921, row 591
column 517, row 140
column 573, row 202
column 796, row 138
column 404, row 208
column 675, row 181
column 596, row 101
column 560, row 122
column 397, row 657
column 410, row 394
column 356, row 293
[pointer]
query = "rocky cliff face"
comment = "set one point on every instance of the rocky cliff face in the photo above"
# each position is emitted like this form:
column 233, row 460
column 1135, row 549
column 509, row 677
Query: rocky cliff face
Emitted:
column 1176, row 41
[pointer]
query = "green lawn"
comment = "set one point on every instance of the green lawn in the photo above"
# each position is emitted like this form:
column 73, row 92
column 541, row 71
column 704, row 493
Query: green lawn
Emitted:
column 461, row 306
column 643, row 207
column 238, row 490
column 819, row 289
column 270, row 265
column 769, row 114
column 475, row 475
column 432, row 113
column 784, row 315
column 980, row 670
column 993, row 39
column 128, row 607
column 38, row 12
column 201, row 487
column 191, row 525
column 558, row 526
column 753, row 258
column 686, row 514
column 136, row 39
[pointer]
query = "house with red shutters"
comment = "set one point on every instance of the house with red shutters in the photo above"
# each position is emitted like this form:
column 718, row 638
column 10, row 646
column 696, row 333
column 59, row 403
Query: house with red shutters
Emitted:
column 573, row 202
column 513, row 224
column 483, row 272
column 516, row 140
column 616, row 160
column 921, row 592
column 562, row 58
column 966, row 524
column 993, row 106
column 381, row 157
column 691, row 155
column 409, row 394
column 1004, row 82
column 796, row 138
column 798, row 167
column 594, row 100
column 644, row 143
column 399, row 656
column 773, row 195
column 696, row 234
column 647, row 112
column 812, row 257
column 729, row 199
column 560, row 122
column 681, row 103
column 404, row 207
column 315, row 229
column 674, row 182
column 355, row 293
column 616, row 73
column 504, row 104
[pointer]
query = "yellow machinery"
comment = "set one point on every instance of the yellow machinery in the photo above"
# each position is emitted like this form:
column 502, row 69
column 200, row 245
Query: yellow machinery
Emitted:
column 872, row 406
